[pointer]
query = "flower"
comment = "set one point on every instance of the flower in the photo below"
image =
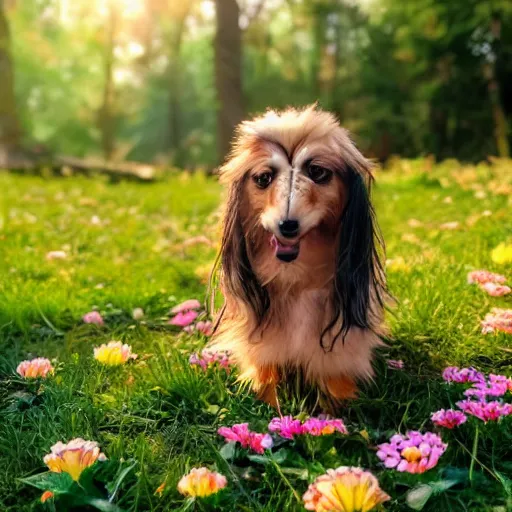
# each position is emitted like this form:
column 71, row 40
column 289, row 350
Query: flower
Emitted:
column 502, row 253
column 397, row 265
column 56, row 255
column 183, row 319
column 286, row 427
column 484, row 276
column 463, row 375
column 344, row 489
column 205, row 328
column 138, row 314
column 448, row 418
column 39, row 367
column 394, row 364
column 412, row 453
column 209, row 358
column 485, row 411
column 201, row 482
column 323, row 426
column 186, row 306
column 93, row 317
column 73, row 457
column 240, row 433
column 449, row 226
column 47, row 495
column 113, row 353
column 497, row 320
column 496, row 385
column 495, row 290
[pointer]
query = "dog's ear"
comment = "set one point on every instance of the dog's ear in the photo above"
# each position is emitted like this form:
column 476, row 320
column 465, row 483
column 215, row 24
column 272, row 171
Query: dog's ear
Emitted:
column 359, row 284
column 237, row 278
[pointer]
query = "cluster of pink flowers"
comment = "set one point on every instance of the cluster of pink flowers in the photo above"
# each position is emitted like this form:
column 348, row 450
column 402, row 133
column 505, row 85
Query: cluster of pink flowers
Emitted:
column 413, row 452
column 204, row 327
column 484, row 276
column 491, row 283
column 209, row 357
column 463, row 375
column 240, row 433
column 485, row 411
column 93, row 317
column 448, row 418
column 288, row 427
column 497, row 320
column 496, row 385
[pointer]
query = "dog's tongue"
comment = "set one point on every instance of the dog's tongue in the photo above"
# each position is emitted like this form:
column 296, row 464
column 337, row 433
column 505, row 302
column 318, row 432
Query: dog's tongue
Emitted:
column 284, row 252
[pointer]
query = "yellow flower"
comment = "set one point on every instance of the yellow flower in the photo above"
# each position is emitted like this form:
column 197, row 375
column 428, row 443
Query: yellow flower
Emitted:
column 113, row 353
column 47, row 495
column 73, row 457
column 39, row 367
column 345, row 489
column 502, row 254
column 398, row 265
column 201, row 482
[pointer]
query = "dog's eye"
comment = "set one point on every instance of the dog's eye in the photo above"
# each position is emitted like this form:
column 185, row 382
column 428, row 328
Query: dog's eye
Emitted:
column 263, row 180
column 319, row 174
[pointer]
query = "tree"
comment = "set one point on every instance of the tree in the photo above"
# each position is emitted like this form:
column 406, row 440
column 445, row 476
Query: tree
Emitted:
column 10, row 129
column 228, row 72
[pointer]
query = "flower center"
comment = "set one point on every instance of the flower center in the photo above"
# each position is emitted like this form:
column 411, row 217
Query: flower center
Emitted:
column 411, row 454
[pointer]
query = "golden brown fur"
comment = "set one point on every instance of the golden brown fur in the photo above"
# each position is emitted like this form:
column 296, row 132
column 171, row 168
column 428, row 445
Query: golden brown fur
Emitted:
column 320, row 314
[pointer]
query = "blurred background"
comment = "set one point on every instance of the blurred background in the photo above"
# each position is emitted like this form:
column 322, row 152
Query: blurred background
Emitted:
column 165, row 81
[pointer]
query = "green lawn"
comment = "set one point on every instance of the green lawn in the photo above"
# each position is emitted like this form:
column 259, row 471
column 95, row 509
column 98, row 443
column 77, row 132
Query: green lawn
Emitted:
column 159, row 415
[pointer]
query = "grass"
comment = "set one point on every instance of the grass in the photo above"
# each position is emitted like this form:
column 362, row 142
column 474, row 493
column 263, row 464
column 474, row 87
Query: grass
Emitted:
column 159, row 416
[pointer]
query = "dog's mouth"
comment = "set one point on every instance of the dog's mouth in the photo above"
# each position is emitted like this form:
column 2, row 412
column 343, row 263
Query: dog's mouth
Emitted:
column 286, row 252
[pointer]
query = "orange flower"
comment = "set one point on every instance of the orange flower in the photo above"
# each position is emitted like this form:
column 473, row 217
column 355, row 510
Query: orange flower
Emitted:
column 201, row 482
column 161, row 488
column 345, row 489
column 39, row 367
column 47, row 495
column 73, row 457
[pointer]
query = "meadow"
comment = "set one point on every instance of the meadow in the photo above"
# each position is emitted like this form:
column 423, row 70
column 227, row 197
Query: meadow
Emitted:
column 135, row 245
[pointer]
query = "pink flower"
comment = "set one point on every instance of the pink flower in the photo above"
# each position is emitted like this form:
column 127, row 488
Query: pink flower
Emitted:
column 210, row 358
column 39, row 367
column 497, row 320
column 320, row 426
column 484, row 276
column 286, row 427
column 463, row 375
column 449, row 418
column 183, row 319
column 412, row 453
column 485, row 411
column 496, row 385
column 93, row 317
column 394, row 364
column 495, row 290
column 240, row 433
column 186, row 306
column 205, row 328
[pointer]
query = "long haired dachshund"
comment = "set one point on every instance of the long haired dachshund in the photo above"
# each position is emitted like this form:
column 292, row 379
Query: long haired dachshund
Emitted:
column 299, row 265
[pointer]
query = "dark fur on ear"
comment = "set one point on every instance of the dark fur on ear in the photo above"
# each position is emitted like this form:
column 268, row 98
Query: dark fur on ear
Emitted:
column 359, row 284
column 236, row 275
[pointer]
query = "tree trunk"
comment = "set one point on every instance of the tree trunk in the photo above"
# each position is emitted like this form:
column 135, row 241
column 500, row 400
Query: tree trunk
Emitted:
column 228, row 73
column 10, row 129
column 107, row 110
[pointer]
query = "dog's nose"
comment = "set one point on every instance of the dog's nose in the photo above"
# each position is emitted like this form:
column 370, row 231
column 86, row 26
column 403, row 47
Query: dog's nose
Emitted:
column 289, row 228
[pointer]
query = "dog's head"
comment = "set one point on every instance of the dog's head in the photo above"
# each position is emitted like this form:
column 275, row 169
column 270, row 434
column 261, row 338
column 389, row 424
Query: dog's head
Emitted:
column 298, row 216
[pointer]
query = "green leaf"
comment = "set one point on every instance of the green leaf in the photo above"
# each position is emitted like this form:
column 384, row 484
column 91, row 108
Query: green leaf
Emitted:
column 58, row 483
column 103, row 505
column 120, row 477
column 259, row 459
column 227, row 452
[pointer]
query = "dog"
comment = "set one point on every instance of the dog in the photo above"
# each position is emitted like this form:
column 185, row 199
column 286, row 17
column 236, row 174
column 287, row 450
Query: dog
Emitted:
column 300, row 260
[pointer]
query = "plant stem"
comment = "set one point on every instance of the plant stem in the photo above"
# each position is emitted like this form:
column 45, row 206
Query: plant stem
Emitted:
column 473, row 455
column 286, row 481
